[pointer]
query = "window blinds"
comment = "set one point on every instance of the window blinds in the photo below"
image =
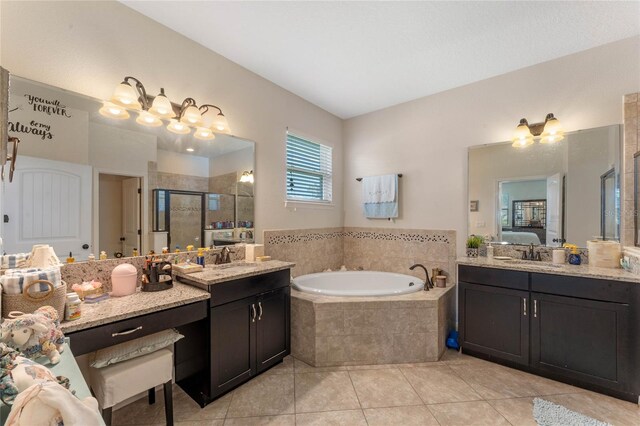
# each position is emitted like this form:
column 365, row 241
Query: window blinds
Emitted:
column 309, row 170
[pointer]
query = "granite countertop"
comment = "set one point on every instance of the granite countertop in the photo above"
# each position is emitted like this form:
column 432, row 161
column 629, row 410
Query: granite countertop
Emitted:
column 550, row 268
column 217, row 274
column 140, row 303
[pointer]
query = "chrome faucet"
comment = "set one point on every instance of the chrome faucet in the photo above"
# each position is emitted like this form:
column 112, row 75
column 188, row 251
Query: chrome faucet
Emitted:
column 531, row 254
column 224, row 256
column 427, row 284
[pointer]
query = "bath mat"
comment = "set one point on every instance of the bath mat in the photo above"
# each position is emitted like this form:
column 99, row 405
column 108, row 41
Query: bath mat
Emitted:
column 547, row 413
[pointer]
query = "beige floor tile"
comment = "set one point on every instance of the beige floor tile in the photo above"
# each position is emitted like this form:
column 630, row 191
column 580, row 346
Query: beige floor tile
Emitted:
column 140, row 413
column 600, row 407
column 383, row 388
column 439, row 384
column 518, row 411
column 285, row 420
column 476, row 413
column 328, row 391
column 216, row 422
column 332, row 418
column 412, row 415
column 302, row 367
column 186, row 409
column 286, row 366
column 544, row 386
column 495, row 381
column 386, row 366
column 265, row 395
column 452, row 356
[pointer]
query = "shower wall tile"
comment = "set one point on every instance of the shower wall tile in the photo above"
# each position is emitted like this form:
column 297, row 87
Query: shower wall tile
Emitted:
column 631, row 146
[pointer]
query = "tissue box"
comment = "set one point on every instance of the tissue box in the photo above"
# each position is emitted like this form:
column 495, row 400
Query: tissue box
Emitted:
column 252, row 251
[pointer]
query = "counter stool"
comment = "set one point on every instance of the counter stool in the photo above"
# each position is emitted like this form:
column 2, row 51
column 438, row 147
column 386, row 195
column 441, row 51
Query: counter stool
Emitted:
column 118, row 382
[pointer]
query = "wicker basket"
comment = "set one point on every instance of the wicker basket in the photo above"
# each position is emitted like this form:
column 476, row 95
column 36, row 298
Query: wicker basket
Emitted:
column 27, row 303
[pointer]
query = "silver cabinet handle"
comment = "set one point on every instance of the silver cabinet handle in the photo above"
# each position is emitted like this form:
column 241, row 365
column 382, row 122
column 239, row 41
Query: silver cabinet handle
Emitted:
column 260, row 314
column 524, row 305
column 535, row 308
column 253, row 309
column 124, row 333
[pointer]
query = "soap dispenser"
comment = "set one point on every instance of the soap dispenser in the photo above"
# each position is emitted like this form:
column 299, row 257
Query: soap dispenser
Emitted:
column 574, row 256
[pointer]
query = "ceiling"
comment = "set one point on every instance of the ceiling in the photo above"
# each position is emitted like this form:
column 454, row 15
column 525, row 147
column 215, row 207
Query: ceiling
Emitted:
column 351, row 58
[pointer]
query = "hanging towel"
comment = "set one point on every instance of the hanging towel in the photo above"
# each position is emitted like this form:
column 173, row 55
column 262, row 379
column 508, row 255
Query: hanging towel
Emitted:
column 379, row 189
column 383, row 209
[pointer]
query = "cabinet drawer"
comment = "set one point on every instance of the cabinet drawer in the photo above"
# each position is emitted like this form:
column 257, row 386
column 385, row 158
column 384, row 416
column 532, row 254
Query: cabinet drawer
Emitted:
column 245, row 287
column 517, row 280
column 584, row 288
column 85, row 341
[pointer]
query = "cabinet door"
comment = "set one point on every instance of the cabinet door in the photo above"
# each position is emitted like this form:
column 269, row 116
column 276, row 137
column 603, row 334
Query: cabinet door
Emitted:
column 233, row 337
column 273, row 332
column 581, row 339
column 495, row 321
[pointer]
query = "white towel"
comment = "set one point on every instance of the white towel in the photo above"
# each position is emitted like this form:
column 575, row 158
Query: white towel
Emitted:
column 379, row 189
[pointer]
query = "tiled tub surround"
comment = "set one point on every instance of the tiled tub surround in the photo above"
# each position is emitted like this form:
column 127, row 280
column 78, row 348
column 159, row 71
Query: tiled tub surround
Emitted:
column 341, row 331
column 100, row 270
column 373, row 249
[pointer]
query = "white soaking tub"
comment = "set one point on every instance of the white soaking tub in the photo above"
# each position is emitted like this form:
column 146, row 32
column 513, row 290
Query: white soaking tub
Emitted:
column 358, row 283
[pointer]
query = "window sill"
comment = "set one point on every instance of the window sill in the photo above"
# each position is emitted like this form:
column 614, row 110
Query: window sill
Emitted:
column 295, row 204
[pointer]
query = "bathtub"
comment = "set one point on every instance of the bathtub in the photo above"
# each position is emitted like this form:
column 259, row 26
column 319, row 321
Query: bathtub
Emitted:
column 358, row 283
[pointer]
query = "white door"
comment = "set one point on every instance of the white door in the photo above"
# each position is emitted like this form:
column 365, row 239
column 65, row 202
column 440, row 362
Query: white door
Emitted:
column 131, row 215
column 554, row 210
column 48, row 202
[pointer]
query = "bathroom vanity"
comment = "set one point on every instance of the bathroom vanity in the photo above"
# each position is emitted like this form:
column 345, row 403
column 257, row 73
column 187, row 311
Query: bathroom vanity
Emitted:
column 246, row 331
column 579, row 325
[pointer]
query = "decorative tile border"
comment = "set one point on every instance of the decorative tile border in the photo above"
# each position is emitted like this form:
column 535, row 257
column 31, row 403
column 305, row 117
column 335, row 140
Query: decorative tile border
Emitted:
column 414, row 237
column 301, row 238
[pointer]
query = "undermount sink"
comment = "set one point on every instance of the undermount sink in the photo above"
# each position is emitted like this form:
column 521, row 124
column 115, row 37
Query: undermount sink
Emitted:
column 238, row 266
column 532, row 263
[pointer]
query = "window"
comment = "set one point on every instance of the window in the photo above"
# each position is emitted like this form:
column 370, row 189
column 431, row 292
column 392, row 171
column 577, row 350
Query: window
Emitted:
column 308, row 170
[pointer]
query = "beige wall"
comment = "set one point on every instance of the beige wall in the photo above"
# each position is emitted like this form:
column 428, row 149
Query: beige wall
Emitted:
column 427, row 139
column 88, row 47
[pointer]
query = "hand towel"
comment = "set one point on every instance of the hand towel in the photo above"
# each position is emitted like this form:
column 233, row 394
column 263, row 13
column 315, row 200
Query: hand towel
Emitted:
column 384, row 209
column 379, row 189
column 11, row 261
column 14, row 280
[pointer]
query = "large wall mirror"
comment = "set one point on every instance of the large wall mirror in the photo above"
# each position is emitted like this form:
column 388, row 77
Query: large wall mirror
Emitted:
column 86, row 183
column 547, row 194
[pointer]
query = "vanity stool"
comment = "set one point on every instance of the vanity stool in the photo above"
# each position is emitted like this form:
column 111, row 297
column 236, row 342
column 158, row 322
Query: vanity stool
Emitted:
column 118, row 382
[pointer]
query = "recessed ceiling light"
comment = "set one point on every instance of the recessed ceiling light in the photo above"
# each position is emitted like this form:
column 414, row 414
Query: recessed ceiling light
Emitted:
column 190, row 149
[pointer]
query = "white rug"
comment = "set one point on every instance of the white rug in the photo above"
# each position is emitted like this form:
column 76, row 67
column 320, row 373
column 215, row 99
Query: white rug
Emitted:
column 547, row 413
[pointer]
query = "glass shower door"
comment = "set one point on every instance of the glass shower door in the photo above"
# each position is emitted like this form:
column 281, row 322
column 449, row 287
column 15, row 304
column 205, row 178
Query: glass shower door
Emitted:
column 185, row 220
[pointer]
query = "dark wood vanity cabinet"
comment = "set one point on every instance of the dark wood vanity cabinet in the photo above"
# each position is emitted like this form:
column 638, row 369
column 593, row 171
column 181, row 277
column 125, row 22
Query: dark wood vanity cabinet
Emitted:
column 246, row 333
column 578, row 330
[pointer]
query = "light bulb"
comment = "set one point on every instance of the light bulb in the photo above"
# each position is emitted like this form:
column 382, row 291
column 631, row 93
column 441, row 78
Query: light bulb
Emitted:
column 220, row 123
column 161, row 106
column 204, row 133
column 191, row 116
column 125, row 96
column 552, row 132
column 145, row 118
column 190, row 149
column 111, row 110
column 177, row 127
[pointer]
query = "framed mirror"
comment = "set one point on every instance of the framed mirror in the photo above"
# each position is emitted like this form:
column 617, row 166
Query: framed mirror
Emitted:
column 548, row 194
column 86, row 183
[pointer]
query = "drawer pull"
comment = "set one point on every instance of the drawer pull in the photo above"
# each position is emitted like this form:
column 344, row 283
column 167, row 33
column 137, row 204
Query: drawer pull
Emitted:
column 124, row 333
column 535, row 308
column 260, row 314
column 253, row 310
column 524, row 305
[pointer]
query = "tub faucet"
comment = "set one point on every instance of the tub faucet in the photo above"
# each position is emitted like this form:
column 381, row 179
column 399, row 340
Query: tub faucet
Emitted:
column 427, row 284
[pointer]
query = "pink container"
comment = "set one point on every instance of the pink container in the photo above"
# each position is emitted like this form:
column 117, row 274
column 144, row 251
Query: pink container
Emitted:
column 123, row 280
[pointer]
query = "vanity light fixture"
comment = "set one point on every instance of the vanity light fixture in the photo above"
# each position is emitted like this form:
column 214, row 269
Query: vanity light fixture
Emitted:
column 131, row 94
column 549, row 131
column 247, row 176
column 190, row 149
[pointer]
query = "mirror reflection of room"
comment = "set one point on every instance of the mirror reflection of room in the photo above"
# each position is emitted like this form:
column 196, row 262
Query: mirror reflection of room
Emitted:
column 548, row 194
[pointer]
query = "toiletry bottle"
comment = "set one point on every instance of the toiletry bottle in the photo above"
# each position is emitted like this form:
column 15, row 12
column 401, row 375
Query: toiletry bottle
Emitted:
column 72, row 308
column 135, row 252
column 200, row 258
column 574, row 257
column 71, row 259
column 103, row 255
column 91, row 257
column 165, row 250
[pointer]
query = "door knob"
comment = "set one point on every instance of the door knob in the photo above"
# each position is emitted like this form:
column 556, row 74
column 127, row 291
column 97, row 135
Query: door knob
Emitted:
column 85, row 246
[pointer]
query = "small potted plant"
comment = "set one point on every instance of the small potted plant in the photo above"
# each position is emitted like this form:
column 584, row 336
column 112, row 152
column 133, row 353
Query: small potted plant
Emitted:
column 473, row 243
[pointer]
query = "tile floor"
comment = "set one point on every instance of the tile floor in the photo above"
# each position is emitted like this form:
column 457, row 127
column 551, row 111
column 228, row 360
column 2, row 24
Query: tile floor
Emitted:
column 458, row 390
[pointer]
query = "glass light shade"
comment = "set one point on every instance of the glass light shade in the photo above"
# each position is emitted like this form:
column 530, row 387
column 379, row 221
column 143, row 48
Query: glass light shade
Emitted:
column 208, row 118
column 552, row 132
column 161, row 107
column 126, row 96
column 522, row 136
column 191, row 116
column 204, row 133
column 177, row 127
column 220, row 123
column 145, row 118
column 247, row 177
column 111, row 110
